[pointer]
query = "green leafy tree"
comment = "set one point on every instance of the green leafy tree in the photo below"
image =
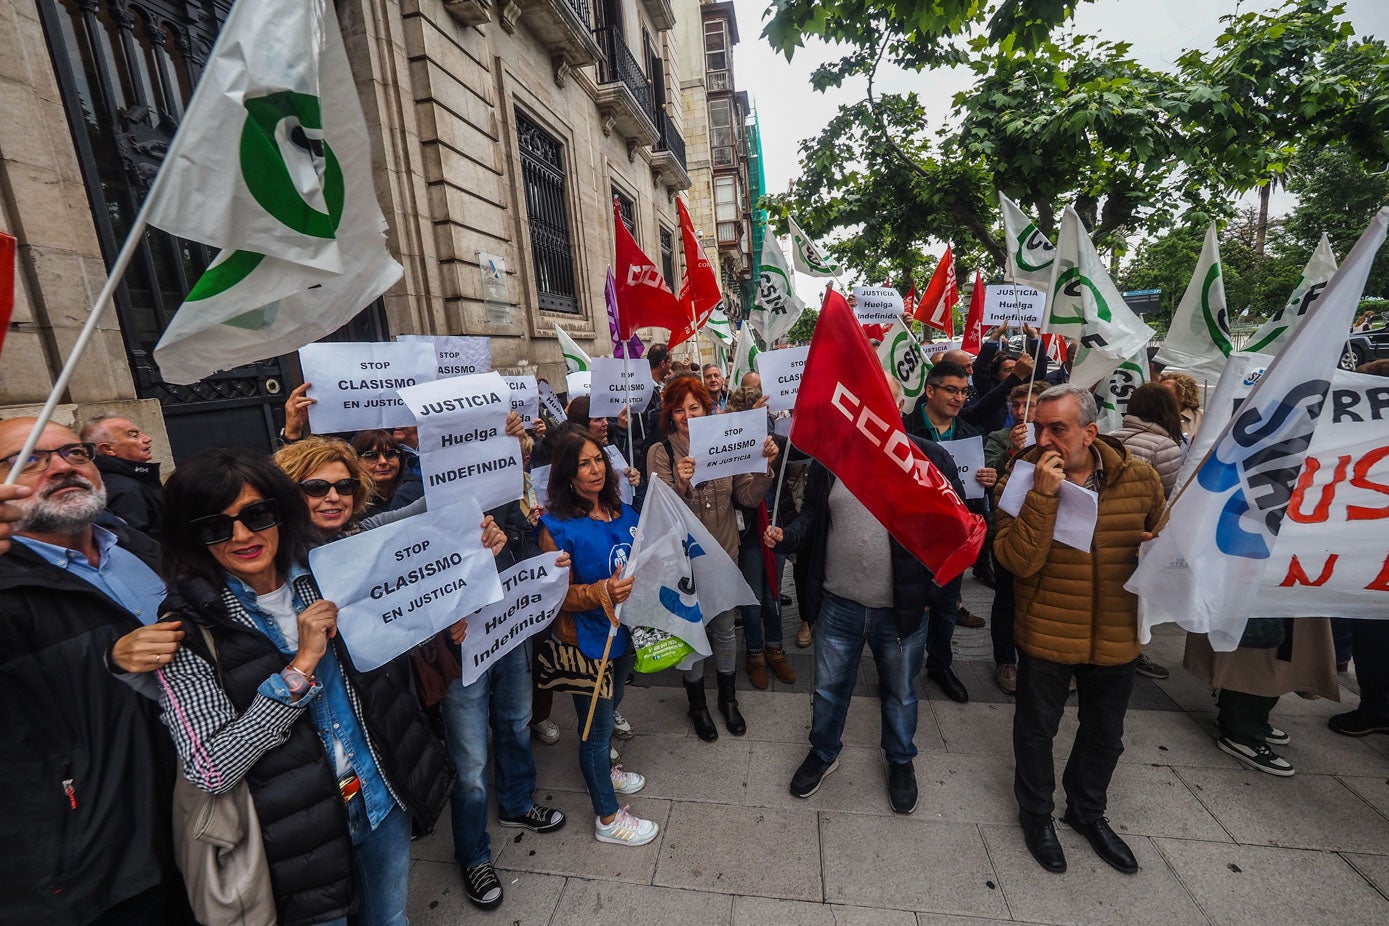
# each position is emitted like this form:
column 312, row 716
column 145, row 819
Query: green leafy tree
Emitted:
column 804, row 327
column 1337, row 193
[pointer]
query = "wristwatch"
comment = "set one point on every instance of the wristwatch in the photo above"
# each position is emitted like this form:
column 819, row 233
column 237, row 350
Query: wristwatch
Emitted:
column 295, row 680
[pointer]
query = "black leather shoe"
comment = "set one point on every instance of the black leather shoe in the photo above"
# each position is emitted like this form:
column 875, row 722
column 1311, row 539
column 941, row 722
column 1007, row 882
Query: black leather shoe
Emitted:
column 949, row 683
column 1042, row 843
column 1105, row 842
column 901, row 786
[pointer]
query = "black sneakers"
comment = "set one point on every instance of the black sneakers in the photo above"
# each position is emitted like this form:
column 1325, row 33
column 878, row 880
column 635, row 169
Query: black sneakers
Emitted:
column 539, row 819
column 813, row 770
column 483, row 888
column 901, row 786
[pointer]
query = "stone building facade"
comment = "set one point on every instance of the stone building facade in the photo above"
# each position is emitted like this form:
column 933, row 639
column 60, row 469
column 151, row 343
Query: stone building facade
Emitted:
column 500, row 129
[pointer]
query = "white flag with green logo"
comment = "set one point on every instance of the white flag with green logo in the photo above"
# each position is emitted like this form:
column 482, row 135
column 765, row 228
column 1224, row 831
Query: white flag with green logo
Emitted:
column 1030, row 254
column 744, row 351
column 271, row 164
column 1198, row 339
column 1113, row 396
column 719, row 329
column 1083, row 303
column 807, row 256
column 574, row 357
column 901, row 356
column 1275, row 332
column 776, row 307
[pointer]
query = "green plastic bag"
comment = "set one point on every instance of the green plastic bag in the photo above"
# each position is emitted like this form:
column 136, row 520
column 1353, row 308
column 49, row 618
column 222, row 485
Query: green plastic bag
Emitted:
column 657, row 650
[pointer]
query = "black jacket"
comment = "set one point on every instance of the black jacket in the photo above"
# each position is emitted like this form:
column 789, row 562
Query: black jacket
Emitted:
column 302, row 815
column 133, row 491
column 87, row 772
column 808, row 536
column 915, row 423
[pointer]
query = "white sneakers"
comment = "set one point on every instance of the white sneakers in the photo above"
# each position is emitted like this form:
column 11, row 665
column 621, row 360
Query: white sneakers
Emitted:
column 627, row 782
column 622, row 728
column 627, row 829
column 547, row 731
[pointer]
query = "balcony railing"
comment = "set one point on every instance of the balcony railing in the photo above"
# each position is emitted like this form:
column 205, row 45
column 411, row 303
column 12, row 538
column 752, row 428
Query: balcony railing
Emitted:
column 670, row 139
column 580, row 8
column 618, row 65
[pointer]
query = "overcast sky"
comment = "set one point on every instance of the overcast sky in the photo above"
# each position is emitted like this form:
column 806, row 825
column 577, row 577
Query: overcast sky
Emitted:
column 1160, row 31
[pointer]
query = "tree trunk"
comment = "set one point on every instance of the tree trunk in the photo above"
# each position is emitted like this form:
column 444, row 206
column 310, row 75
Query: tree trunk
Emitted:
column 1261, row 229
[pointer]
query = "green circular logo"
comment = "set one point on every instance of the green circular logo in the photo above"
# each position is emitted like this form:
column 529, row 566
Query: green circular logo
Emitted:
column 907, row 365
column 268, row 176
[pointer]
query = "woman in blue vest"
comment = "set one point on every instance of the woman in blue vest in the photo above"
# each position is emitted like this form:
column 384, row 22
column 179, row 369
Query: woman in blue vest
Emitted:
column 586, row 518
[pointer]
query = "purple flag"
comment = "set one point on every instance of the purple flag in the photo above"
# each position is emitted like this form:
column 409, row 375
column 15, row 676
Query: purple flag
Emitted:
column 632, row 348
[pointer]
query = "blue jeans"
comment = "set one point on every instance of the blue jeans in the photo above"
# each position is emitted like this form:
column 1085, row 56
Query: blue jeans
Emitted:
column 501, row 698
column 840, row 632
column 593, row 752
column 383, row 866
column 761, row 623
column 944, row 612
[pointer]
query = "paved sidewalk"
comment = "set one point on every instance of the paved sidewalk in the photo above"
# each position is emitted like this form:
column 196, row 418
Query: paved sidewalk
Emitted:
column 1217, row 844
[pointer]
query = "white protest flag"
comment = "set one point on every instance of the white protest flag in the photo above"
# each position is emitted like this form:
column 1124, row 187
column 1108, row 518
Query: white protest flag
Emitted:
column 1113, row 396
column 1274, row 333
column 574, row 357
column 1198, row 339
column 1200, row 569
column 809, row 257
column 272, row 164
column 744, row 352
column 1083, row 303
column 684, row 578
column 776, row 308
column 1030, row 254
column 719, row 328
column 901, row 356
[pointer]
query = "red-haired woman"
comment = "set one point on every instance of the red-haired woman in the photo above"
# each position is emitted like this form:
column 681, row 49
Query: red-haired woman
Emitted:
column 712, row 502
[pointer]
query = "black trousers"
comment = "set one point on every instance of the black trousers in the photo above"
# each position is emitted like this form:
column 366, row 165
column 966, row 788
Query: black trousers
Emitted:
column 1001, row 617
column 1244, row 717
column 1103, row 692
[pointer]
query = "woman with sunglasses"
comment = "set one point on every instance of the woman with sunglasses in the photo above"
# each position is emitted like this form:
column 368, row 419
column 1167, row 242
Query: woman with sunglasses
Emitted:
column 397, row 483
column 338, row 762
column 334, row 481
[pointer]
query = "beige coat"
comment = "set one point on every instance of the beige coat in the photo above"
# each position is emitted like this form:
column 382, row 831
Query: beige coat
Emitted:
column 1261, row 672
column 1147, row 441
column 712, row 502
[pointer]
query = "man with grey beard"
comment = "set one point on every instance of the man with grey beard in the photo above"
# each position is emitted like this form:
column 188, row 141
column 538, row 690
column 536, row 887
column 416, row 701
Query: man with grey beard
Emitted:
column 86, row 770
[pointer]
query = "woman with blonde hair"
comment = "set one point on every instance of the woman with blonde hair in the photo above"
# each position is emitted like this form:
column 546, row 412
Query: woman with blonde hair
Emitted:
column 335, row 484
column 1188, row 395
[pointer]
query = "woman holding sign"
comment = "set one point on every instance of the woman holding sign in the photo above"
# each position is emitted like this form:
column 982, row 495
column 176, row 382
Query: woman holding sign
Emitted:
column 337, row 761
column 587, row 519
column 713, row 503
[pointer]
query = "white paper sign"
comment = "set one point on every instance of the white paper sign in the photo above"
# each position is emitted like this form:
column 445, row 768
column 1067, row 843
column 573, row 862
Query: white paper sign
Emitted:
column 782, row 427
column 456, row 354
column 781, row 375
column 525, row 398
column 877, row 305
column 612, row 386
column 579, row 383
column 400, row 584
column 540, row 485
column 968, row 454
column 1076, row 512
column 619, row 464
column 355, row 383
column 464, row 449
column 1008, row 304
column 726, row 445
column 532, row 592
column 551, row 403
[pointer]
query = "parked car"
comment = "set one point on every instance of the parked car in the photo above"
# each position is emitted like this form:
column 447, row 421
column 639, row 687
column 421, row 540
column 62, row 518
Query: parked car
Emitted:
column 1364, row 346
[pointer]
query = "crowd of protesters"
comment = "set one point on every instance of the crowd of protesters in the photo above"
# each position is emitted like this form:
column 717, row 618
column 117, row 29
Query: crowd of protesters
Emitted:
column 154, row 631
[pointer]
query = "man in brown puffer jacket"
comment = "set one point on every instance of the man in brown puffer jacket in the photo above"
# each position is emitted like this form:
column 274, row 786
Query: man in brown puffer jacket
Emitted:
column 1074, row 620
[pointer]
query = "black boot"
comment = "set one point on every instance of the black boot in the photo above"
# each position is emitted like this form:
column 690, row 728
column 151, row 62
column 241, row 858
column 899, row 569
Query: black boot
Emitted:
column 699, row 712
column 728, row 704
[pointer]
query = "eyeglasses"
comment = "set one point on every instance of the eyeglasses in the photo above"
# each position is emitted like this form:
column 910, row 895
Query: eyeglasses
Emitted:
column 75, row 454
column 219, row 528
column 951, row 391
column 317, row 488
column 373, row 454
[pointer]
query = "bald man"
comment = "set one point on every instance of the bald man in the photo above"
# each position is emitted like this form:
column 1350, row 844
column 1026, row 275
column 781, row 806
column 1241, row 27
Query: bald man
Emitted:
column 124, row 456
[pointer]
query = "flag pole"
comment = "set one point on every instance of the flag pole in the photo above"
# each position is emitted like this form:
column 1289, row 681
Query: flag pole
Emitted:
column 598, row 685
column 780, row 480
column 113, row 279
column 1036, row 360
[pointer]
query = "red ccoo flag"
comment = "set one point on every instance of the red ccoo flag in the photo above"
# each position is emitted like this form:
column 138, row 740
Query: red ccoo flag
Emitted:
column 846, row 419
column 974, row 325
column 699, row 294
column 938, row 302
column 7, row 259
column 909, row 303
column 643, row 298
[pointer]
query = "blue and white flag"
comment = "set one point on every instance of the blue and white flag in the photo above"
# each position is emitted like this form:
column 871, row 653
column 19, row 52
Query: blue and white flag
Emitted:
column 684, row 579
column 1219, row 541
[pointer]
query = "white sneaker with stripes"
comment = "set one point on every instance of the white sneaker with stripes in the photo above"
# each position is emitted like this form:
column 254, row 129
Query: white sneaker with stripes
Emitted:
column 627, row 782
column 626, row 829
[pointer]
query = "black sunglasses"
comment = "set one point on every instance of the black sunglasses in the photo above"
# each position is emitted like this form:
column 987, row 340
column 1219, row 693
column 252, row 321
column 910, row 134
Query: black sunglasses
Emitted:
column 218, row 528
column 317, row 488
column 373, row 454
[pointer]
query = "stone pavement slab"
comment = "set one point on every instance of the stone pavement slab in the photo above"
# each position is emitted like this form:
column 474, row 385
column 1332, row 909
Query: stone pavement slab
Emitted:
column 573, row 852
column 605, row 904
column 437, row 898
column 763, row 911
column 741, row 850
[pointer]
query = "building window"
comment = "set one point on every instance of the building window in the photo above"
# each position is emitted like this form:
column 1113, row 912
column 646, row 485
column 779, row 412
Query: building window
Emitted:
column 668, row 257
column 628, row 210
column 716, row 52
column 721, row 135
column 726, row 209
column 547, row 215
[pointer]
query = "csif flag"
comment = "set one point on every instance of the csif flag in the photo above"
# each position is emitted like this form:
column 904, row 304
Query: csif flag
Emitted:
column 1198, row 338
column 1275, row 332
column 272, row 165
column 937, row 304
column 1083, row 303
column 807, row 256
column 973, row 339
column 745, row 351
column 776, row 307
column 699, row 293
column 719, row 329
column 1199, row 571
column 904, row 361
column 1030, row 254
column 575, row 360
column 643, row 298
column 1113, row 395
column 846, row 419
